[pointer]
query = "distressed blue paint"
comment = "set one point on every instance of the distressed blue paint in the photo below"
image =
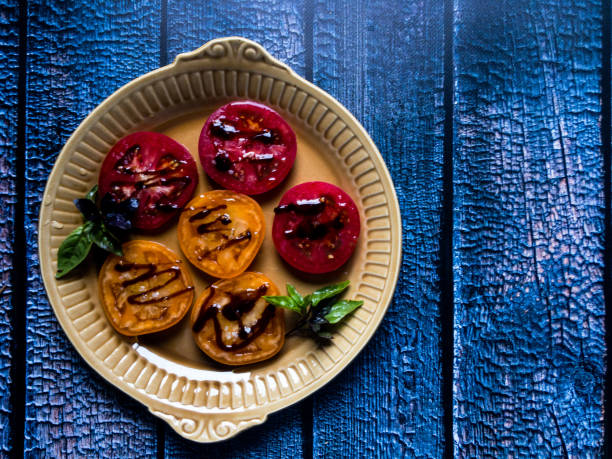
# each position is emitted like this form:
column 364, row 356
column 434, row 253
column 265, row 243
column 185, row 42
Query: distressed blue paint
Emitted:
column 9, row 50
column 384, row 61
column 527, row 232
column 77, row 55
column 278, row 27
column 528, row 229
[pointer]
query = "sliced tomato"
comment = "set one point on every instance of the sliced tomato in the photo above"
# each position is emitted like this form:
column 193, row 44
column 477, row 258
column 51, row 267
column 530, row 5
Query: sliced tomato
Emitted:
column 316, row 227
column 146, row 290
column 233, row 324
column 247, row 147
column 153, row 168
column 221, row 232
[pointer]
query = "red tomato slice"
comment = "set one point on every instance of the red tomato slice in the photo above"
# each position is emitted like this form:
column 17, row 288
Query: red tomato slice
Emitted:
column 316, row 227
column 247, row 147
column 153, row 168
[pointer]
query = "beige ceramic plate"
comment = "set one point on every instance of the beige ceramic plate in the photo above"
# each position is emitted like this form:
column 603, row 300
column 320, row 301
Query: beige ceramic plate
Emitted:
column 201, row 400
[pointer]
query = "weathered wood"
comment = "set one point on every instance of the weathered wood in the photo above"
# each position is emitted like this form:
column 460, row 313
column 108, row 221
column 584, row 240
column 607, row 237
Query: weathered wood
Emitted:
column 78, row 53
column 278, row 27
column 9, row 63
column 384, row 61
column 528, row 229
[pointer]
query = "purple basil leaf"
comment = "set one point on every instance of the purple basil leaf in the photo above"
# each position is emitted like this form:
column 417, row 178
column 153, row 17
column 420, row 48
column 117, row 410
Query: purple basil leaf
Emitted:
column 318, row 320
column 118, row 221
column 118, row 214
column 88, row 209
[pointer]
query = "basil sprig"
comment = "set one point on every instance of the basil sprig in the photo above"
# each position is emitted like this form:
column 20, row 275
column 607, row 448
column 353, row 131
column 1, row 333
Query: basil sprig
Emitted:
column 95, row 231
column 317, row 310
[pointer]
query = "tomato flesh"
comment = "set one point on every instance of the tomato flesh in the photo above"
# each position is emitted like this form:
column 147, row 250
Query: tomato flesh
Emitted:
column 234, row 325
column 153, row 168
column 316, row 227
column 146, row 290
column 221, row 232
column 247, row 147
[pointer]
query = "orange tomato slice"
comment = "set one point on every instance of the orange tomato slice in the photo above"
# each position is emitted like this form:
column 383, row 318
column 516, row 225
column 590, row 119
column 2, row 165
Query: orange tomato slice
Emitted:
column 221, row 232
column 146, row 290
column 234, row 325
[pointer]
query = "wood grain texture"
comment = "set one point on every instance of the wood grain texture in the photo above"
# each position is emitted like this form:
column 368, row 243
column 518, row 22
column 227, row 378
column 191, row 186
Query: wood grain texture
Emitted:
column 278, row 26
column 384, row 61
column 77, row 55
column 528, row 229
column 9, row 63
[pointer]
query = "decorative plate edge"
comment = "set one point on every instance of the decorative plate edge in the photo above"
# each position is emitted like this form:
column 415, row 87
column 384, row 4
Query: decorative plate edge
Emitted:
column 232, row 48
column 207, row 429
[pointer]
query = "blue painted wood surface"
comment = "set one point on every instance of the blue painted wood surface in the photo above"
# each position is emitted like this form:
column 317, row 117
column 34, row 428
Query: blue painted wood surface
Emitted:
column 77, row 55
column 9, row 75
column 528, row 230
column 384, row 61
column 528, row 219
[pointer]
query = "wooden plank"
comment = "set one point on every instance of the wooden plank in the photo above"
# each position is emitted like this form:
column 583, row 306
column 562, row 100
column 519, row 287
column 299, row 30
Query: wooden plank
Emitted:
column 278, row 27
column 9, row 75
column 528, row 229
column 78, row 53
column 384, row 61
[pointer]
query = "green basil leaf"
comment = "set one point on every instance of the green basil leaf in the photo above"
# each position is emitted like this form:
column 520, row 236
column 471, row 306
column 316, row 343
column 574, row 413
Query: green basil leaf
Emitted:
column 326, row 292
column 284, row 302
column 92, row 194
column 103, row 238
column 340, row 309
column 74, row 249
column 295, row 296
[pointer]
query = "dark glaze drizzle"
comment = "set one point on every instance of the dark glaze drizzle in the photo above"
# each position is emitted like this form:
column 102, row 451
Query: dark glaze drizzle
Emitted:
column 222, row 162
column 178, row 183
column 224, row 219
column 228, row 243
column 152, row 178
column 239, row 304
column 206, row 212
column 309, row 228
column 150, row 273
column 223, row 130
column 266, row 137
column 314, row 230
column 226, row 131
column 122, row 165
column 303, row 206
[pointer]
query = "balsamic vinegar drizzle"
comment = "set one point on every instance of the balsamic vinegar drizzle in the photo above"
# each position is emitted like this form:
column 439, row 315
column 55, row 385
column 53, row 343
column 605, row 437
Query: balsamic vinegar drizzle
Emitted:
column 222, row 162
column 205, row 212
column 224, row 219
column 310, row 229
column 303, row 206
column 239, row 304
column 226, row 131
column 223, row 130
column 266, row 137
column 246, row 236
column 122, row 165
column 150, row 273
column 206, row 227
column 152, row 178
